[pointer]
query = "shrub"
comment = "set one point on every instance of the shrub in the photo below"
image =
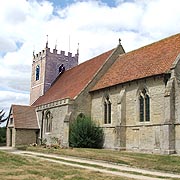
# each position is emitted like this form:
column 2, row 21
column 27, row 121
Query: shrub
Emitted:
column 85, row 134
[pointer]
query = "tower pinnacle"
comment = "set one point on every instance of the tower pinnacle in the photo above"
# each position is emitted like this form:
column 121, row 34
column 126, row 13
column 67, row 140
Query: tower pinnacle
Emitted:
column 56, row 45
column 119, row 41
column 78, row 49
column 47, row 42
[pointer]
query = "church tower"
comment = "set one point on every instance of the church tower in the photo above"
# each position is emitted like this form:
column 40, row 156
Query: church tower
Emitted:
column 46, row 67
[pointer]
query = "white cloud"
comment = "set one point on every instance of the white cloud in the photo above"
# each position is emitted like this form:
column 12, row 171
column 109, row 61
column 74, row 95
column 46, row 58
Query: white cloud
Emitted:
column 161, row 18
column 97, row 27
column 7, row 45
column 8, row 97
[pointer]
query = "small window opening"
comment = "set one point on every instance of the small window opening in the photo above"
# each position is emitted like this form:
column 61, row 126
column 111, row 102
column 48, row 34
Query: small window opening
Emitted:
column 61, row 68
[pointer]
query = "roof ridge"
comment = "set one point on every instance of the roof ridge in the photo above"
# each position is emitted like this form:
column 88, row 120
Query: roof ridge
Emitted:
column 21, row 105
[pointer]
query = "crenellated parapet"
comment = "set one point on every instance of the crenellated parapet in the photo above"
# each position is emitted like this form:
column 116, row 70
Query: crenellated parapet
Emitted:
column 61, row 54
column 47, row 65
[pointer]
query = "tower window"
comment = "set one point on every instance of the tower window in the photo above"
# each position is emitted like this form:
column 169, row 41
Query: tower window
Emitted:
column 61, row 69
column 144, row 106
column 37, row 72
column 107, row 111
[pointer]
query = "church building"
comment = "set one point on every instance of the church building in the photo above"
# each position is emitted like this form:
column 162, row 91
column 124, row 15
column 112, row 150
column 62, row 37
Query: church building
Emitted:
column 134, row 97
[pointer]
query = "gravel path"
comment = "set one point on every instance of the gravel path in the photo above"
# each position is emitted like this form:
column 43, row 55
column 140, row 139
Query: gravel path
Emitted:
column 100, row 166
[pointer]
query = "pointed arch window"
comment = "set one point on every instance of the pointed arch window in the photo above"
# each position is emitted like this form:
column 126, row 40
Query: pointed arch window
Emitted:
column 107, row 111
column 144, row 106
column 37, row 72
column 48, row 120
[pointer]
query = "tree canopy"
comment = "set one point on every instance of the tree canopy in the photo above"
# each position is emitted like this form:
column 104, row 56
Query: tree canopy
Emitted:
column 2, row 136
column 2, row 119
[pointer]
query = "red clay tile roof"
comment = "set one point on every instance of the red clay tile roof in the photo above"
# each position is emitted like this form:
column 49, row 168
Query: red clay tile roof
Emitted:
column 153, row 59
column 24, row 117
column 73, row 81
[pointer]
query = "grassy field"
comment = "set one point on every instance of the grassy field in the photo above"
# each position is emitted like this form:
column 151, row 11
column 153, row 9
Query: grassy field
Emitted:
column 15, row 167
column 164, row 163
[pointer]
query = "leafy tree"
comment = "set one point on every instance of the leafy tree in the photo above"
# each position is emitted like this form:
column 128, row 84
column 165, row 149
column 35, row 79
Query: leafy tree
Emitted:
column 2, row 129
column 84, row 133
column 1, row 116
column 2, row 135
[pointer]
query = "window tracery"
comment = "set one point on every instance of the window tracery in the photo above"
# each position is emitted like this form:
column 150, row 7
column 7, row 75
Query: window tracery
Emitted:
column 107, row 110
column 144, row 106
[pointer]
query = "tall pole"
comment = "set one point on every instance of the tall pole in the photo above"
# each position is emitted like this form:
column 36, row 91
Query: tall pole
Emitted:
column 69, row 43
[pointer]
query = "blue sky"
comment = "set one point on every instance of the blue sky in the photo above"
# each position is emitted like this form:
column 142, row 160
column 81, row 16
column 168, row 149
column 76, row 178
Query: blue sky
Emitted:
column 95, row 25
column 65, row 3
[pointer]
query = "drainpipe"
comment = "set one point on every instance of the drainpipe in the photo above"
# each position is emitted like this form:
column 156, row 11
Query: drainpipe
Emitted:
column 42, row 124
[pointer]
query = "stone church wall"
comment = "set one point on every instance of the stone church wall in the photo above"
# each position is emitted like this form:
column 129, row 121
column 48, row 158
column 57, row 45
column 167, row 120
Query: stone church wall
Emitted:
column 145, row 136
column 60, row 113
column 125, row 130
column 177, row 104
column 177, row 137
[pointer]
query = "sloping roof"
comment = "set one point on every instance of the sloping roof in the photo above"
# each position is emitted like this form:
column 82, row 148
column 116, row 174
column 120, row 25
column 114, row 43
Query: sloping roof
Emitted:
column 24, row 117
column 153, row 59
column 73, row 81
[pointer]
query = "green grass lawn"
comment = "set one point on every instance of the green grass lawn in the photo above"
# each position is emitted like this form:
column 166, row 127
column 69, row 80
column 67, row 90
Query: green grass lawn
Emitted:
column 16, row 167
column 166, row 163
